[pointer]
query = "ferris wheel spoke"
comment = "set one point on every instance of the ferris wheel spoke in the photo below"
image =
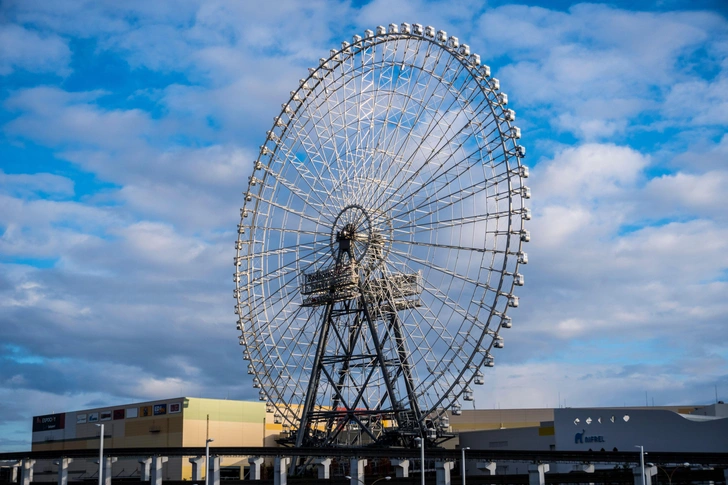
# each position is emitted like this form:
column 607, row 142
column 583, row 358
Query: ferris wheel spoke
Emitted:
column 437, row 116
column 441, row 269
column 467, row 193
column 310, row 198
column 436, row 121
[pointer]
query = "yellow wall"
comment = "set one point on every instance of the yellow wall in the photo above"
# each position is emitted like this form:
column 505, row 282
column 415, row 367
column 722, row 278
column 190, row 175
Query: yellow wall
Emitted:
column 231, row 423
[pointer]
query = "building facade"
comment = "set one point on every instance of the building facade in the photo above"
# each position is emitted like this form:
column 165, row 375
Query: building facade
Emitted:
column 166, row 423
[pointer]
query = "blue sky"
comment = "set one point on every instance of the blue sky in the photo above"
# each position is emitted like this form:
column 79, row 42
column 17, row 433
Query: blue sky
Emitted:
column 128, row 131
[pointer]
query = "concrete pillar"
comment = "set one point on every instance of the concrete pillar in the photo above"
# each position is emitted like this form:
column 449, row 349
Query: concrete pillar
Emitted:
column 26, row 471
column 587, row 468
column 255, row 464
column 650, row 471
column 487, row 467
column 280, row 470
column 213, row 470
column 401, row 467
column 145, row 469
column 197, row 463
column 536, row 473
column 13, row 470
column 156, row 468
column 63, row 470
column 322, row 465
column 356, row 470
column 442, row 472
column 108, row 461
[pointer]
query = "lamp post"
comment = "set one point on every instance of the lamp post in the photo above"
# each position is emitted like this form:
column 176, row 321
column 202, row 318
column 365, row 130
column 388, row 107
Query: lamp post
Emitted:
column 348, row 477
column 642, row 461
column 669, row 475
column 421, row 442
column 101, row 454
column 207, row 460
column 462, row 462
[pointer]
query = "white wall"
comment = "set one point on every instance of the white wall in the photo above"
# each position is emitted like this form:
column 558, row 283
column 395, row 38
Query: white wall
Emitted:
column 656, row 430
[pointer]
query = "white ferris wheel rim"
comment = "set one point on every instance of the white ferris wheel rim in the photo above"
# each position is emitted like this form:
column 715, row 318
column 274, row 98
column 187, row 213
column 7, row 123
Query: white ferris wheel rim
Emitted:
column 404, row 132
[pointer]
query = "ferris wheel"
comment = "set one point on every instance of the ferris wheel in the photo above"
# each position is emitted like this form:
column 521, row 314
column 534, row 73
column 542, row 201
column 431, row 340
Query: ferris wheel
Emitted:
column 380, row 241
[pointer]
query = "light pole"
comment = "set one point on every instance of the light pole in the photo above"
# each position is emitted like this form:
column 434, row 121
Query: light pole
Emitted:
column 348, row 477
column 642, row 461
column 669, row 475
column 462, row 462
column 207, row 460
column 421, row 441
column 101, row 454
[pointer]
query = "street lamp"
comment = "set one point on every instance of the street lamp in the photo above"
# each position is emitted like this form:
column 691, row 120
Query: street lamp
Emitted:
column 669, row 475
column 642, row 461
column 462, row 462
column 101, row 454
column 421, row 442
column 348, row 477
column 207, row 460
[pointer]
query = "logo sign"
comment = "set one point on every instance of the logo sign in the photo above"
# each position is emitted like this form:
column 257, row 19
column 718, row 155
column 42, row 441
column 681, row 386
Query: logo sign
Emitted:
column 145, row 411
column 80, row 418
column 105, row 415
column 160, row 409
column 132, row 412
column 118, row 414
column 93, row 417
column 49, row 421
column 175, row 407
column 579, row 438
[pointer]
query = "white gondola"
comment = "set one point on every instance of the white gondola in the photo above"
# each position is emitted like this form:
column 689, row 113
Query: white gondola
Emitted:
column 456, row 409
column 468, row 394
column 498, row 344
column 479, row 378
column 262, row 396
column 506, row 322
column 444, row 422
column 251, row 370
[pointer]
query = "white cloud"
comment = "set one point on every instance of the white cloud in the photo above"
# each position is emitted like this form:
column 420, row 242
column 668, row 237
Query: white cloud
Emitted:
column 589, row 172
column 52, row 116
column 598, row 56
column 685, row 193
column 25, row 185
column 21, row 48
